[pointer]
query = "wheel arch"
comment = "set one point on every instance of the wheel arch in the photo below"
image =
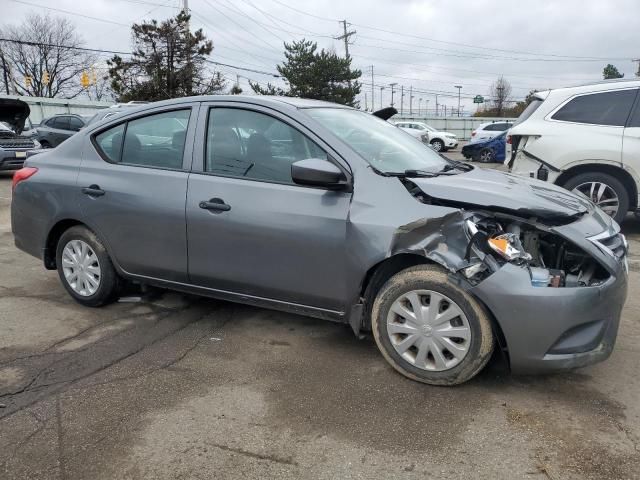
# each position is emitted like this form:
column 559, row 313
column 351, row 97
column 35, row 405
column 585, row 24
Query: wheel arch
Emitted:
column 53, row 236
column 616, row 171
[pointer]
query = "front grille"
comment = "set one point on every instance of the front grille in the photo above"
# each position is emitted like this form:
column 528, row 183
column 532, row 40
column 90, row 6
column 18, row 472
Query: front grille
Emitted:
column 617, row 244
column 16, row 143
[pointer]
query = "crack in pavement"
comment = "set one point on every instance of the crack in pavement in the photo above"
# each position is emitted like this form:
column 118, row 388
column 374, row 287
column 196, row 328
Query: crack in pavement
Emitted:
column 65, row 382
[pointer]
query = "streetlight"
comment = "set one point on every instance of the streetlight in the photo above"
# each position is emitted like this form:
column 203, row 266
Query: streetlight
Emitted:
column 459, row 87
column 426, row 107
column 392, row 85
column 419, row 105
column 381, row 89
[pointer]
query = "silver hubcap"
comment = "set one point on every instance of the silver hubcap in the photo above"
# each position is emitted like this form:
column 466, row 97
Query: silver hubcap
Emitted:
column 429, row 330
column 437, row 146
column 601, row 194
column 81, row 267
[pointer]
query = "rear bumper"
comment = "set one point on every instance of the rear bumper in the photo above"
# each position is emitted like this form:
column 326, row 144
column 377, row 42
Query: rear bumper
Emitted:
column 548, row 329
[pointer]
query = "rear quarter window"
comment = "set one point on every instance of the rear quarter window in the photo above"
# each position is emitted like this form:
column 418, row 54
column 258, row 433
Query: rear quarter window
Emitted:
column 606, row 108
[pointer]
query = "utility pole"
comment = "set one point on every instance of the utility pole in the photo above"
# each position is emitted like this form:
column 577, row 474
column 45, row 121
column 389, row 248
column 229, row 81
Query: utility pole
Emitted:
column 419, row 105
column 372, row 87
column 366, row 107
column 426, row 107
column 345, row 36
column 392, row 85
column 185, row 10
column 401, row 98
column 381, row 102
column 411, row 100
column 459, row 87
column 436, row 105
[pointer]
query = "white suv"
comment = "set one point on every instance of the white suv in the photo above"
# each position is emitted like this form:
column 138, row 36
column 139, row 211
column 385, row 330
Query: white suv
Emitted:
column 585, row 138
column 488, row 130
column 440, row 141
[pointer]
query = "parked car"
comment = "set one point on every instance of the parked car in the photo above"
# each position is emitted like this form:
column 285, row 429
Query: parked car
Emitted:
column 486, row 151
column 14, row 146
column 414, row 130
column 488, row 130
column 586, row 139
column 55, row 130
column 325, row 210
column 440, row 141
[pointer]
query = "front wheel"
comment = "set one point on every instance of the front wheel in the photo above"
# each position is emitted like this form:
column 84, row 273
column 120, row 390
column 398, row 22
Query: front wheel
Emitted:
column 486, row 156
column 85, row 268
column 430, row 330
column 605, row 190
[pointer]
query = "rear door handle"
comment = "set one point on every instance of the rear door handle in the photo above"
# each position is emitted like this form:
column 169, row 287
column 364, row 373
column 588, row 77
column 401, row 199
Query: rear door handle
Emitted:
column 216, row 204
column 93, row 191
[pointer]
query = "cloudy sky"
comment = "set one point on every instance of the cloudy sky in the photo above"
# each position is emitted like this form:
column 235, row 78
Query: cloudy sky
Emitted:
column 429, row 45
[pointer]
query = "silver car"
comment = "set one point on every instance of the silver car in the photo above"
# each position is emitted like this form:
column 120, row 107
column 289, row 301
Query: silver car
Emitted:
column 327, row 211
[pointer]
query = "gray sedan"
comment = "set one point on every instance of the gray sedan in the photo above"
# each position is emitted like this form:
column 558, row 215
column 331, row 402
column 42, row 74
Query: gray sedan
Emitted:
column 324, row 210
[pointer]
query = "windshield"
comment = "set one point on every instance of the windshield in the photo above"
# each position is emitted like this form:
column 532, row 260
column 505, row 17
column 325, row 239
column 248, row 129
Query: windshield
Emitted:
column 383, row 145
column 429, row 127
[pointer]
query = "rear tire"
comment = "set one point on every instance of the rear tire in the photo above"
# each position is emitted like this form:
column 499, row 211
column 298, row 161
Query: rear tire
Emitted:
column 437, row 145
column 452, row 356
column 614, row 192
column 85, row 268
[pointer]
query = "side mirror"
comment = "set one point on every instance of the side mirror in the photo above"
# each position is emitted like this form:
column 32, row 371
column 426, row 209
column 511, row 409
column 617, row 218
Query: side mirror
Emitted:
column 318, row 172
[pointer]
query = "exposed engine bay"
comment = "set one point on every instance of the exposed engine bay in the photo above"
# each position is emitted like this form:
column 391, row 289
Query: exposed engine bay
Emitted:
column 496, row 238
column 551, row 260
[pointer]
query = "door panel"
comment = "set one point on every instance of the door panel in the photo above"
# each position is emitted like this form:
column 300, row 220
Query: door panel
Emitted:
column 277, row 240
column 631, row 142
column 141, row 214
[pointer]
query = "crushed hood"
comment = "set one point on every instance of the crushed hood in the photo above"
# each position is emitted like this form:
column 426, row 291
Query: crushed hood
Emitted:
column 14, row 112
column 504, row 192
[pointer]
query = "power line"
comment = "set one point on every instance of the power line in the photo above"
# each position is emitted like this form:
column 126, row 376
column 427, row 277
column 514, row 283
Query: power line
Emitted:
column 70, row 13
column 522, row 52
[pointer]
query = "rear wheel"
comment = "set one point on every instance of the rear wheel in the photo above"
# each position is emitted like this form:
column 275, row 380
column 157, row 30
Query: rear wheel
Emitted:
column 605, row 190
column 85, row 268
column 430, row 330
column 437, row 145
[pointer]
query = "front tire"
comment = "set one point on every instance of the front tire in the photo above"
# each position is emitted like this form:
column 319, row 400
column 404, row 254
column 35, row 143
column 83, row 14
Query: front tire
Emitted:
column 605, row 190
column 430, row 330
column 487, row 156
column 85, row 268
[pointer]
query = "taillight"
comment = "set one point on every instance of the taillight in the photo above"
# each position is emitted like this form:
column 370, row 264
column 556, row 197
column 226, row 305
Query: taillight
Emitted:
column 473, row 134
column 21, row 175
column 509, row 139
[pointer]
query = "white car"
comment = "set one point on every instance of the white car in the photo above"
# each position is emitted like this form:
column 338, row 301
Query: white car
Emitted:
column 585, row 138
column 440, row 141
column 488, row 130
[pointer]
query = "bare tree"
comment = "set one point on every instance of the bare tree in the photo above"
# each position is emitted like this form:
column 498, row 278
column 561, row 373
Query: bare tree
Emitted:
column 43, row 48
column 100, row 87
column 500, row 93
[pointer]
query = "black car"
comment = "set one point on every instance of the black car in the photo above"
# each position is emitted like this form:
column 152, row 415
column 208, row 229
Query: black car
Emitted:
column 14, row 146
column 55, row 130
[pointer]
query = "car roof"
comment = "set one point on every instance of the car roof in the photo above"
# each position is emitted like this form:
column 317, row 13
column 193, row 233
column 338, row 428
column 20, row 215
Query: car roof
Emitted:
column 266, row 100
column 595, row 86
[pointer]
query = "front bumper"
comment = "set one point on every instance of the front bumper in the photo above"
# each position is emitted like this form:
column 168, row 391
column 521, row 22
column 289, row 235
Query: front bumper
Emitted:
column 450, row 142
column 549, row 329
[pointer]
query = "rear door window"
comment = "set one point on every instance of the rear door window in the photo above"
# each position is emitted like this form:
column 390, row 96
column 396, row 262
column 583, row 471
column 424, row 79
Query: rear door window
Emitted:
column 635, row 118
column 75, row 124
column 153, row 141
column 606, row 108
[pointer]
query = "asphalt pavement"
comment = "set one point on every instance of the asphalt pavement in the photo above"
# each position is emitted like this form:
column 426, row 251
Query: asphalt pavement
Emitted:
column 169, row 386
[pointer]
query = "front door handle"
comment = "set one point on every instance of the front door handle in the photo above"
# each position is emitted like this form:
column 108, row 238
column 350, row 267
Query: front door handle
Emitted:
column 93, row 191
column 216, row 204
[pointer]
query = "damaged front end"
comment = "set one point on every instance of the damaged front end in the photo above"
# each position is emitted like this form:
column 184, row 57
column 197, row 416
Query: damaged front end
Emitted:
column 560, row 284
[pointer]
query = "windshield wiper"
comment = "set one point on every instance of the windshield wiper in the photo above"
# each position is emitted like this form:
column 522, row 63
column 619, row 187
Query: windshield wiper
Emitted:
column 456, row 164
column 419, row 173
